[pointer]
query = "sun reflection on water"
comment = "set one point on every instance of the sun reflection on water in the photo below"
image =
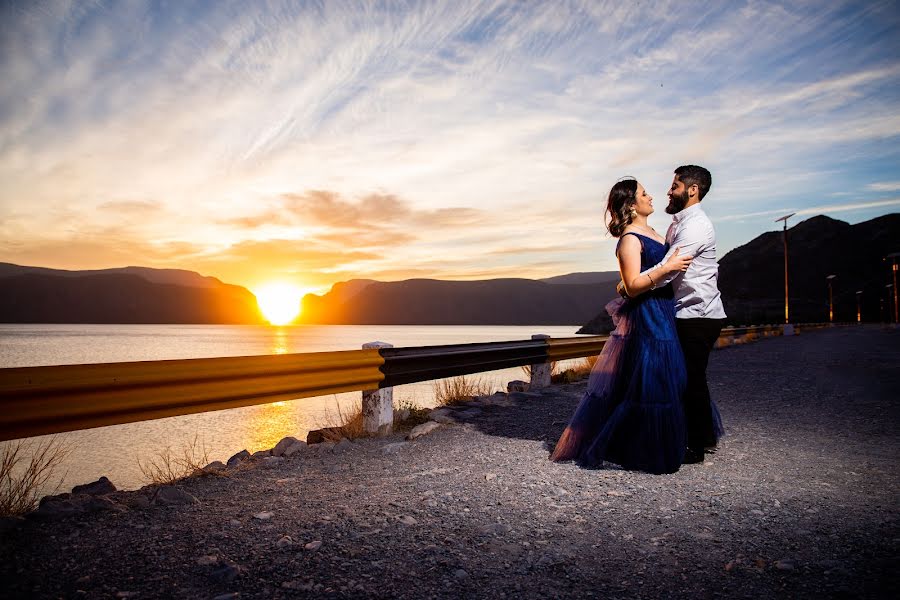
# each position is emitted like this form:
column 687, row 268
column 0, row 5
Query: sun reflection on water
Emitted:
column 268, row 423
column 279, row 341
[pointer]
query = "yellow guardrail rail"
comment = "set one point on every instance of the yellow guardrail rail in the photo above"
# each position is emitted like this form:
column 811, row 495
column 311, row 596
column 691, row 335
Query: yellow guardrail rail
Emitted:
column 41, row 400
column 565, row 348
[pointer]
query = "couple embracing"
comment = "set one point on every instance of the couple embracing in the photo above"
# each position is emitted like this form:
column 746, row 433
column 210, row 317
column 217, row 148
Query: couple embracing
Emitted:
column 647, row 406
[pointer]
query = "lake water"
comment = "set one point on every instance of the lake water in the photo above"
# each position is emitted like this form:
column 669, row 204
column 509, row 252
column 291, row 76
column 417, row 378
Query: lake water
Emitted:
column 115, row 451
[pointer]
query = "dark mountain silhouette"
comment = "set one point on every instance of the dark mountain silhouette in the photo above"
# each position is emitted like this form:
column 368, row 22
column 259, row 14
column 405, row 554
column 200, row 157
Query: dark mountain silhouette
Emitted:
column 751, row 277
column 172, row 276
column 130, row 295
column 435, row 302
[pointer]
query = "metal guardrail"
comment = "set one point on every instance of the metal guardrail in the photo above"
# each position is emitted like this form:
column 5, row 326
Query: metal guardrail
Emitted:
column 41, row 400
column 53, row 399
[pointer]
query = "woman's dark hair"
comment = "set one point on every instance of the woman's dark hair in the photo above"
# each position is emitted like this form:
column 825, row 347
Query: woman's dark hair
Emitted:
column 621, row 199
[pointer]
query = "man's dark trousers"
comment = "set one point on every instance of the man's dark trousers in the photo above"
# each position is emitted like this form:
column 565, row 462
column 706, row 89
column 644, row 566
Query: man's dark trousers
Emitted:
column 697, row 337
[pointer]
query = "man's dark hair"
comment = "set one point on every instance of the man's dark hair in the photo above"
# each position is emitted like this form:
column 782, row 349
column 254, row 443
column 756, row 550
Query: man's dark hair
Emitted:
column 692, row 174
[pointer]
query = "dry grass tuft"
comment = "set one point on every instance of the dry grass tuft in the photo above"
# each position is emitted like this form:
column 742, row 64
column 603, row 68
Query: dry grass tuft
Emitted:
column 459, row 389
column 343, row 423
column 25, row 470
column 576, row 373
column 167, row 467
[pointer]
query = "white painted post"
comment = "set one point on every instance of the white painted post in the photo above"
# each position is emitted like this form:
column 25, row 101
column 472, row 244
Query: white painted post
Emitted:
column 540, row 374
column 378, row 405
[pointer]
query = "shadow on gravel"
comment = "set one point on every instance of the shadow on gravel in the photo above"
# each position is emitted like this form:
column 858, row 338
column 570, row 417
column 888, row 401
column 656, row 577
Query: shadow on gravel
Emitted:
column 526, row 416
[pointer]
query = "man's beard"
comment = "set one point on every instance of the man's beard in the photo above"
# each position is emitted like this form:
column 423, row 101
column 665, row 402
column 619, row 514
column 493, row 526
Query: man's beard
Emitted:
column 677, row 202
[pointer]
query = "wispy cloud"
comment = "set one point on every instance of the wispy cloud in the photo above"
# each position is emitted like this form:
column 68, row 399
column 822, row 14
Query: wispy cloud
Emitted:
column 813, row 210
column 884, row 186
column 388, row 138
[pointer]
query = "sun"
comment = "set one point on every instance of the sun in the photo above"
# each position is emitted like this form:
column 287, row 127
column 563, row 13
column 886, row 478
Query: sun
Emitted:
column 279, row 302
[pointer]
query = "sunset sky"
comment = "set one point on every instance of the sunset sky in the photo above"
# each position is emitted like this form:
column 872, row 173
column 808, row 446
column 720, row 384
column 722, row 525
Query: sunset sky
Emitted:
column 314, row 142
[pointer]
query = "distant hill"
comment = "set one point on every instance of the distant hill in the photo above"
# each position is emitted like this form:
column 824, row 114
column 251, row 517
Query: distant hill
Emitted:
column 584, row 278
column 128, row 295
column 436, row 302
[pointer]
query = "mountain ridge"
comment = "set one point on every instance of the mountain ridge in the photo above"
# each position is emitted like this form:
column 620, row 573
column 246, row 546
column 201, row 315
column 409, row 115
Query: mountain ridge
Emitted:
column 124, row 295
column 751, row 280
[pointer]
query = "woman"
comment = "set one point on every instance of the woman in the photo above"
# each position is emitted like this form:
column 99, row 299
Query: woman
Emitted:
column 631, row 414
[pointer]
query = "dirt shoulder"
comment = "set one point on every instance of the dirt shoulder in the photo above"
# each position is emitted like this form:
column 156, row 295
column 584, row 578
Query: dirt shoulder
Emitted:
column 801, row 500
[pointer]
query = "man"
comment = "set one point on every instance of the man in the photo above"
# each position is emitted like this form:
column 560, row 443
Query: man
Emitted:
column 699, row 313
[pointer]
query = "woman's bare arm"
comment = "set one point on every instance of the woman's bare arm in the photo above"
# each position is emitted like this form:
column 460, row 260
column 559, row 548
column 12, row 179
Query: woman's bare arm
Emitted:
column 630, row 267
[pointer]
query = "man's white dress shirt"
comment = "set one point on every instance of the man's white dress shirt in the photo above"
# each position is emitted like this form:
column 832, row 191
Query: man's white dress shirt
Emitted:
column 696, row 290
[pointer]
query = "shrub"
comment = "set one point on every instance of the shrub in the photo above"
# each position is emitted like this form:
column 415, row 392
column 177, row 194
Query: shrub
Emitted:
column 166, row 467
column 416, row 415
column 459, row 389
column 26, row 467
column 343, row 423
column 576, row 373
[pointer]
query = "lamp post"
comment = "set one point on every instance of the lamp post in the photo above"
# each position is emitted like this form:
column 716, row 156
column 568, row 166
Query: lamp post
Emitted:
column 888, row 288
column 830, row 278
column 788, row 328
column 858, row 307
column 893, row 256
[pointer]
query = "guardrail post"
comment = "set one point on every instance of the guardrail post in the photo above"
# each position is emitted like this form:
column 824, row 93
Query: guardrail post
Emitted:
column 378, row 405
column 540, row 373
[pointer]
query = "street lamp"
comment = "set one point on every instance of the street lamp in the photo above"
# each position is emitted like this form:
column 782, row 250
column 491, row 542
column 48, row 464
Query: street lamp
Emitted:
column 788, row 329
column 858, row 307
column 830, row 299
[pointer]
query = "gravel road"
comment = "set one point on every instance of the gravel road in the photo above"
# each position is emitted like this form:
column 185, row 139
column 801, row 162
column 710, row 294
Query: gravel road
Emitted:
column 800, row 501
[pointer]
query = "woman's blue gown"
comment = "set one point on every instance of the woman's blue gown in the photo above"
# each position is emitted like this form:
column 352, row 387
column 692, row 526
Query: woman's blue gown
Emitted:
column 631, row 413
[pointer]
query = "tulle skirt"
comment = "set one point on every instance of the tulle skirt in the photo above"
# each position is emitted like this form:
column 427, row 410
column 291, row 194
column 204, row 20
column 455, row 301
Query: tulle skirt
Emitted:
column 631, row 414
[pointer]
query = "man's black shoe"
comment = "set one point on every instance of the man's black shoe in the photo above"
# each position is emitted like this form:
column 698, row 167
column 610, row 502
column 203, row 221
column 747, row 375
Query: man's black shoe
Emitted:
column 692, row 457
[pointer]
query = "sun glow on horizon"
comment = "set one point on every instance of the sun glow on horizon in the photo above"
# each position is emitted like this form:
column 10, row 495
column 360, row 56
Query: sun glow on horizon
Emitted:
column 279, row 302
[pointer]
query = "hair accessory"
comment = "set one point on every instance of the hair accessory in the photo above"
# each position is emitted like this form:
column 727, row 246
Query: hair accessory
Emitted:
column 626, row 178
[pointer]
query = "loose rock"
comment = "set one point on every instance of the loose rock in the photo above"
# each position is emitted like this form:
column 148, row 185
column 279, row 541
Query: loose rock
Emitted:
column 238, row 458
column 294, row 449
column 283, row 445
column 423, row 429
column 168, row 495
column 215, row 467
column 98, row 488
column 517, row 386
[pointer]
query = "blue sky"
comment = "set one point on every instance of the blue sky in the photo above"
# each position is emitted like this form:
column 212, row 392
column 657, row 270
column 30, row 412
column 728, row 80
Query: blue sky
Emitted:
column 313, row 142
